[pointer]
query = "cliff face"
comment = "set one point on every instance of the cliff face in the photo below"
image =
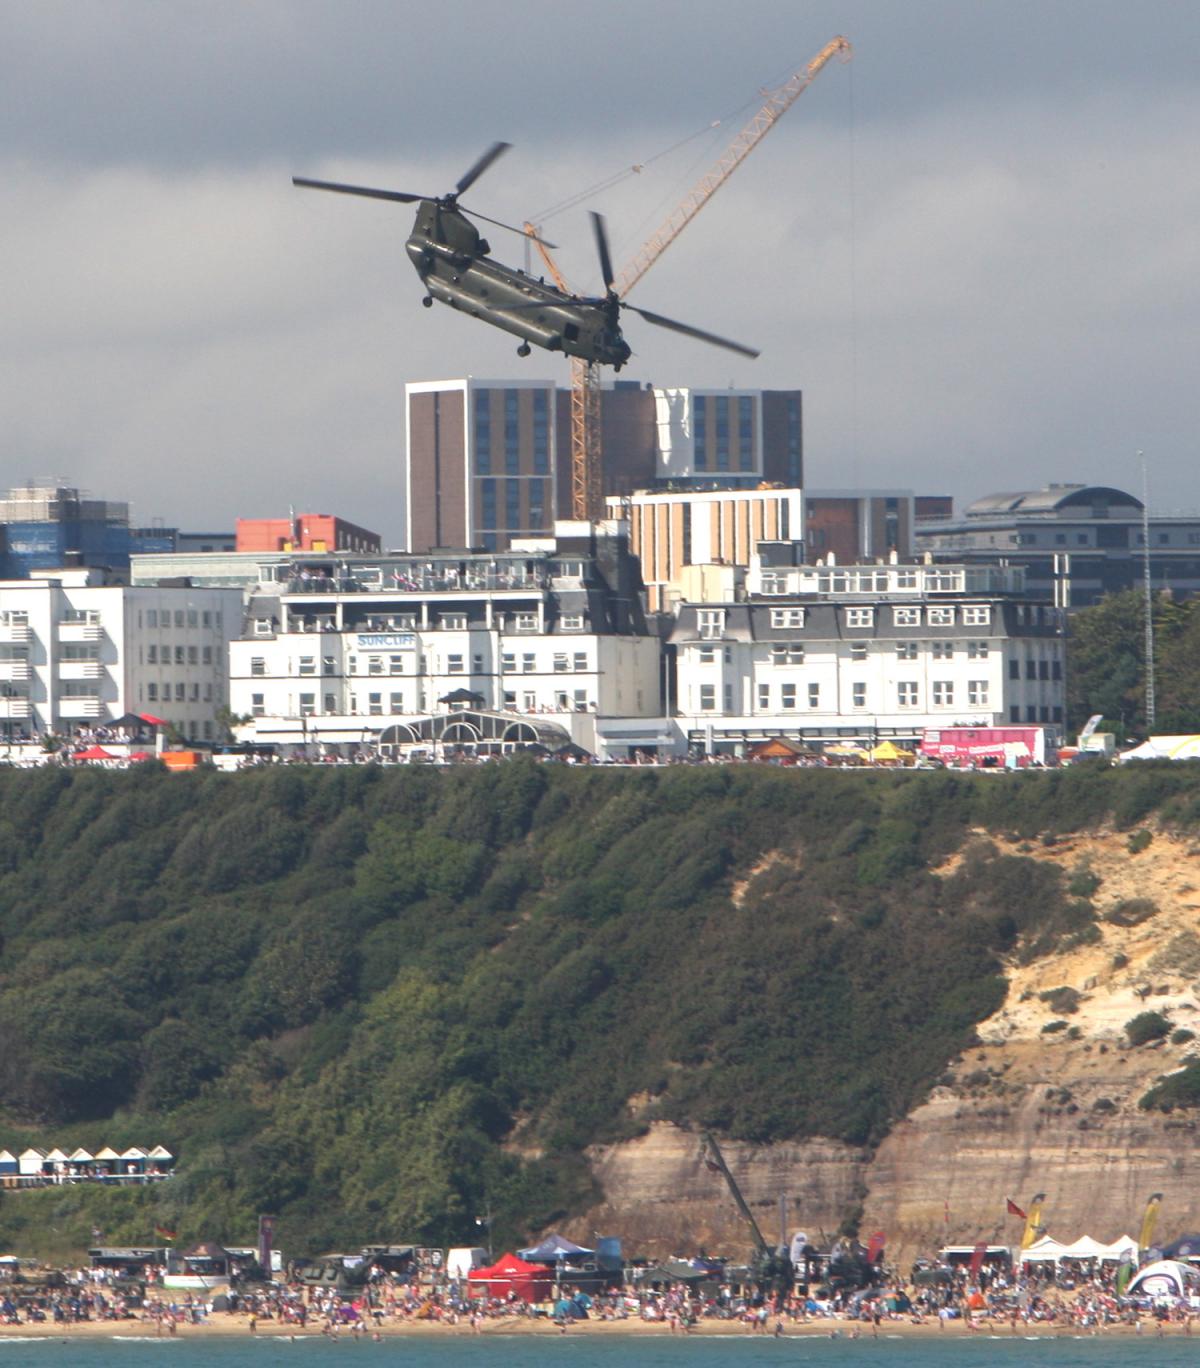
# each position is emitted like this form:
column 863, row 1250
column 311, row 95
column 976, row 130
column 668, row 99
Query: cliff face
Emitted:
column 1029, row 1110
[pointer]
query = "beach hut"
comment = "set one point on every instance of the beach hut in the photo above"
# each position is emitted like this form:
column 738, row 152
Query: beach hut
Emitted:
column 30, row 1163
column 133, row 1162
column 106, row 1162
column 529, row 1282
column 8, row 1163
column 160, row 1161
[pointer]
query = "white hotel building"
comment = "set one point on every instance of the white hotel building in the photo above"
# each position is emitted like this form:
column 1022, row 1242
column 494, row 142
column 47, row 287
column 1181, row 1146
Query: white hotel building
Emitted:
column 865, row 652
column 346, row 650
column 76, row 652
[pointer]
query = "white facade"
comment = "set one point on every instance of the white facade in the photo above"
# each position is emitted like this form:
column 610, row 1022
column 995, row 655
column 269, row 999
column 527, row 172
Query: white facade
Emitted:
column 75, row 654
column 867, row 652
column 348, row 647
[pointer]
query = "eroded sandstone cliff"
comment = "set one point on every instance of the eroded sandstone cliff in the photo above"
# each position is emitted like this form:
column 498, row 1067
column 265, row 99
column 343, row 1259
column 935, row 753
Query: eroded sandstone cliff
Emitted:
column 1047, row 1101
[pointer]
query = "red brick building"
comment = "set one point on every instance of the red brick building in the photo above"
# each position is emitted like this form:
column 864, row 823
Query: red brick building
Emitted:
column 318, row 532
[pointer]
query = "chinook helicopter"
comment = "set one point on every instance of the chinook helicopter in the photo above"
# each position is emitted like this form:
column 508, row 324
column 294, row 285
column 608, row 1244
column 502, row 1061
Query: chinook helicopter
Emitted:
column 455, row 266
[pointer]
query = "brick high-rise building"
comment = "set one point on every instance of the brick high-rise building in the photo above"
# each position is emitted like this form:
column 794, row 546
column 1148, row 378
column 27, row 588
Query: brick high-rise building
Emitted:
column 489, row 460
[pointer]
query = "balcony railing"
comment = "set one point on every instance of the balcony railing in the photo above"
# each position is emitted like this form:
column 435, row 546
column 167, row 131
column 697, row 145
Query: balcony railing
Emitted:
column 70, row 632
column 80, row 669
column 14, row 633
column 79, row 707
column 14, row 707
column 14, row 670
column 421, row 583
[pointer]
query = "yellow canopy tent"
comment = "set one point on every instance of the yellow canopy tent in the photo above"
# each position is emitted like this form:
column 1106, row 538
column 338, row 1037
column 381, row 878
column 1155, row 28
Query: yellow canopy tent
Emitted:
column 888, row 753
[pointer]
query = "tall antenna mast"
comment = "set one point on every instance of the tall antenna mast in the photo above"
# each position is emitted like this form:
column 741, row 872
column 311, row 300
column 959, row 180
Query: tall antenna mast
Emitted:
column 1148, row 597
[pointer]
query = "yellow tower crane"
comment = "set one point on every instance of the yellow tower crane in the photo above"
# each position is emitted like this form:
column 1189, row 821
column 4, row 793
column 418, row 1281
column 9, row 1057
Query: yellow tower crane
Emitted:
column 585, row 380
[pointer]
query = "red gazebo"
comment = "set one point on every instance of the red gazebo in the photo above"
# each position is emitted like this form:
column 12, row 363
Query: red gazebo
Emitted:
column 530, row 1282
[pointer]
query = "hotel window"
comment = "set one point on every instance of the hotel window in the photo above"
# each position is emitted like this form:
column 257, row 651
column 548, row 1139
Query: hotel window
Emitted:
column 258, row 706
column 258, row 665
column 308, row 665
column 976, row 614
column 977, row 650
column 710, row 622
column 708, row 698
column 375, row 704
column 508, row 662
column 860, row 617
column 943, row 693
column 192, row 620
column 580, row 661
column 787, row 697
column 375, row 665
column 787, row 617
column 906, row 579
column 476, row 664
column 152, row 655
column 510, row 699
column 722, row 405
column 151, row 617
column 745, row 406
column 395, row 702
column 454, row 664
column 858, row 695
column 152, row 693
column 1030, row 668
column 699, row 432
column 906, row 617
column 1014, row 669
column 561, row 663
column 906, row 650
column 541, row 432
column 483, row 432
column 906, row 693
column 206, row 655
column 943, row 650
column 764, row 696
column 525, row 622
column 528, row 664
column 206, row 618
column 772, row 582
column 858, row 650
column 572, row 622
column 208, row 692
column 788, row 653
column 195, row 695
column 977, row 693
column 453, row 622
column 512, row 503
column 179, row 690
column 487, row 501
column 940, row 617
column 512, row 450
column 308, row 704
column 581, row 700
column 706, row 655
column 179, row 657
column 814, row 695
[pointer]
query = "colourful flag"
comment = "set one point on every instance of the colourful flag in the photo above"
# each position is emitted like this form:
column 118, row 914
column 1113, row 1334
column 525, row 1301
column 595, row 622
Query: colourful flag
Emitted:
column 875, row 1246
column 1149, row 1221
column 1014, row 1209
column 165, row 1233
column 1034, row 1229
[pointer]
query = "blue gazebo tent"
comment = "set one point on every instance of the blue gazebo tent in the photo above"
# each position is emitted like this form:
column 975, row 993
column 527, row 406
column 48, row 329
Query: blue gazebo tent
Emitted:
column 556, row 1249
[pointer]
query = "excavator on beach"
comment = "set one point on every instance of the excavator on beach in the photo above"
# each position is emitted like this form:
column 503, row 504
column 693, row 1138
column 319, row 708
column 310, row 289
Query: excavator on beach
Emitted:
column 771, row 1269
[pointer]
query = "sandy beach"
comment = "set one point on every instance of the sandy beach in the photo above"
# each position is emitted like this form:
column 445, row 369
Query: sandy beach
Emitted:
column 238, row 1325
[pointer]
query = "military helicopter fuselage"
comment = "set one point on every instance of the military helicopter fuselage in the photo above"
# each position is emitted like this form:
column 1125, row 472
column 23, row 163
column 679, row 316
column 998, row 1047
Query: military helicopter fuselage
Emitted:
column 456, row 267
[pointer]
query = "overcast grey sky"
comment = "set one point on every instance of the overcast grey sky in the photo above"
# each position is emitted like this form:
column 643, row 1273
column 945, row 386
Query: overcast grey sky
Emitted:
column 976, row 248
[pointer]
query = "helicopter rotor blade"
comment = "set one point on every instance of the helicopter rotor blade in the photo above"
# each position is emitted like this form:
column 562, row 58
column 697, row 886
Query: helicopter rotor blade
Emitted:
column 659, row 321
column 399, row 196
column 497, row 149
column 601, row 234
column 532, row 237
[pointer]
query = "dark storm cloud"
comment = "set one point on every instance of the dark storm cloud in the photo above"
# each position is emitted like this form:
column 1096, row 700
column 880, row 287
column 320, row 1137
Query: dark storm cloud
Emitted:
column 974, row 248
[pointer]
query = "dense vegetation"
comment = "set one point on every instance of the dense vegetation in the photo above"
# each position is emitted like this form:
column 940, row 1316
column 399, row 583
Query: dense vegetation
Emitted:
column 379, row 1003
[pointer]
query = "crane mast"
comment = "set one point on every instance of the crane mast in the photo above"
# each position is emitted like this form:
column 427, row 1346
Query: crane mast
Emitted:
column 586, row 491
column 777, row 105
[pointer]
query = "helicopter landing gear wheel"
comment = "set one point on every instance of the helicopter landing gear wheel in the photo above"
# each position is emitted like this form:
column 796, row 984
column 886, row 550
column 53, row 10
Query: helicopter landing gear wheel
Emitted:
column 428, row 301
column 523, row 349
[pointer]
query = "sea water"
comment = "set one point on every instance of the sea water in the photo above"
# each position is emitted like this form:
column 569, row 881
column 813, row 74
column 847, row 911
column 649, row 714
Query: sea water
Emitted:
column 495, row 1350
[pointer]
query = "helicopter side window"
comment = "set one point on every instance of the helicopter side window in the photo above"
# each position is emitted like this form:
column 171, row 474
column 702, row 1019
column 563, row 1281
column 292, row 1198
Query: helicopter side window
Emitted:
column 571, row 332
